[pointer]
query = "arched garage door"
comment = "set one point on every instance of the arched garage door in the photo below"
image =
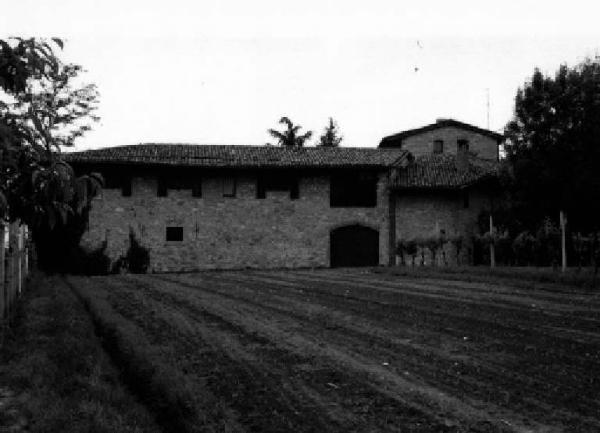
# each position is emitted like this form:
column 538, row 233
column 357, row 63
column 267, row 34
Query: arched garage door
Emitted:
column 354, row 245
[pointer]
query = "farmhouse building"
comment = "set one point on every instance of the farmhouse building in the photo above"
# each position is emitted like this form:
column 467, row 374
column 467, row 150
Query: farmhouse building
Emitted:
column 452, row 178
column 225, row 207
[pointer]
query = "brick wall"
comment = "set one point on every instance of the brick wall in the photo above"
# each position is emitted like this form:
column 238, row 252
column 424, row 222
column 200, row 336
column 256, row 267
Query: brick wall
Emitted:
column 221, row 233
column 422, row 144
column 420, row 214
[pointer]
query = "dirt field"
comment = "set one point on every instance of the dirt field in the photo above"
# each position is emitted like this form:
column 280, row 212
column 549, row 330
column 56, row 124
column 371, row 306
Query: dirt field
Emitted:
column 352, row 350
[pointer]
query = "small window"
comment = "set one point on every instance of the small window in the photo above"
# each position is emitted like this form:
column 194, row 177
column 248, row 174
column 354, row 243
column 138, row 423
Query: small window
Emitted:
column 465, row 199
column 161, row 190
column 126, row 187
column 261, row 191
column 463, row 145
column 294, row 190
column 112, row 181
column 438, row 146
column 277, row 182
column 197, row 188
column 174, row 234
column 229, row 187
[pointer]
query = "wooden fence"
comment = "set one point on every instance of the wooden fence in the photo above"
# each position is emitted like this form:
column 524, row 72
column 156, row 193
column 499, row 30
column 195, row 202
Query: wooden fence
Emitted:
column 14, row 266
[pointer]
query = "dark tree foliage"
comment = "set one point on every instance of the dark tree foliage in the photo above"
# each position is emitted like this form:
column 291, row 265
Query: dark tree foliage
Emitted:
column 41, row 111
column 553, row 148
column 331, row 135
column 291, row 137
column 138, row 257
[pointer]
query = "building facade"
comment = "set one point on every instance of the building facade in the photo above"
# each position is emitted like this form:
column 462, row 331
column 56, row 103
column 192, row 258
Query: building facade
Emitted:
column 232, row 207
column 450, row 181
column 243, row 206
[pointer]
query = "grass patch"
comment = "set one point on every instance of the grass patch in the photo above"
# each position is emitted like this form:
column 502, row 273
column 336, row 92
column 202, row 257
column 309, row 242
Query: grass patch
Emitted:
column 146, row 370
column 55, row 374
column 526, row 277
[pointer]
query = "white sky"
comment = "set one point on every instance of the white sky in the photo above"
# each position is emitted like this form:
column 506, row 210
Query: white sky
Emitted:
column 223, row 72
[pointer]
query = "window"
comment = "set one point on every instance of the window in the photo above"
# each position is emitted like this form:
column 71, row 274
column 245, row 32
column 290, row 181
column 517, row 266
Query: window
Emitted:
column 294, row 190
column 229, row 185
column 277, row 182
column 438, row 146
column 465, row 199
column 463, row 145
column 112, row 181
column 174, row 234
column 161, row 188
column 179, row 181
column 197, row 188
column 353, row 189
column 126, row 186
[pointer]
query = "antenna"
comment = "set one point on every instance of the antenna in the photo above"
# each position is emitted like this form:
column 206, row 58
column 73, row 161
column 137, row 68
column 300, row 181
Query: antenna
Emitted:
column 488, row 106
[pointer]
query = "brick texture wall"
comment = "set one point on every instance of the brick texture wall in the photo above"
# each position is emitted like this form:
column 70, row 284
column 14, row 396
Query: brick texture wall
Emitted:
column 422, row 144
column 229, row 233
column 421, row 214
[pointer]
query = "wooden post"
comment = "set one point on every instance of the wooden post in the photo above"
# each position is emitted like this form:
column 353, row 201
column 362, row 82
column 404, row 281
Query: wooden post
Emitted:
column 19, row 259
column 492, row 246
column 26, row 251
column 393, row 257
column 3, row 291
column 563, row 241
column 10, row 271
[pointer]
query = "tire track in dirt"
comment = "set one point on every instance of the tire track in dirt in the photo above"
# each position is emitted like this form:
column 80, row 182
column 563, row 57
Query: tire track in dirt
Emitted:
column 379, row 405
column 212, row 283
column 567, row 357
column 437, row 310
column 484, row 372
column 493, row 282
column 573, row 296
column 459, row 312
column 588, row 315
column 383, row 412
column 466, row 291
column 260, row 401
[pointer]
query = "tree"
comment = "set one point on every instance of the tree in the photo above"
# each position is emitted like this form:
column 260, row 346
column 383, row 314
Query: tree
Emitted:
column 331, row 136
column 41, row 111
column 553, row 148
column 290, row 137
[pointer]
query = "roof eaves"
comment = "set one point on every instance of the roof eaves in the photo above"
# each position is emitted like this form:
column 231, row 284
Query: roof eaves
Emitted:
column 440, row 124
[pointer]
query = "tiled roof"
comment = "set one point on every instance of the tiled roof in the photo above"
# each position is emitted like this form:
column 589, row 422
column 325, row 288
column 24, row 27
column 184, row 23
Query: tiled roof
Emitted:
column 441, row 172
column 229, row 156
column 395, row 139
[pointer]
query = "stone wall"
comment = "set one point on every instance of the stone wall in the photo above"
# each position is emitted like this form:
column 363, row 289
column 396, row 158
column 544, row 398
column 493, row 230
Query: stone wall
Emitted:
column 420, row 214
column 422, row 144
column 229, row 233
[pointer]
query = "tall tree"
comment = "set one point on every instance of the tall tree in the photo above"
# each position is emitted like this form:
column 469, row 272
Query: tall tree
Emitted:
column 553, row 147
column 291, row 136
column 331, row 135
column 42, row 110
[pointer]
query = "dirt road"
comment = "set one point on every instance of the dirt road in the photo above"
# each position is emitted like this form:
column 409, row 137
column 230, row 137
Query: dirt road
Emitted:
column 353, row 350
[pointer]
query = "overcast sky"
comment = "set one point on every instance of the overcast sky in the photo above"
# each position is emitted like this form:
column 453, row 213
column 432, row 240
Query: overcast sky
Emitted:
column 223, row 72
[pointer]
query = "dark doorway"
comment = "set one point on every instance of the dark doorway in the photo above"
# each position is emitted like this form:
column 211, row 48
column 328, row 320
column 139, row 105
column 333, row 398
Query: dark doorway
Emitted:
column 354, row 245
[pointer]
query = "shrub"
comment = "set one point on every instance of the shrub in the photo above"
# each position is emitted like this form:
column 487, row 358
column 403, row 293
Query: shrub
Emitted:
column 547, row 245
column 457, row 241
column 82, row 261
column 410, row 247
column 137, row 257
column 400, row 250
column 523, row 247
column 432, row 243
